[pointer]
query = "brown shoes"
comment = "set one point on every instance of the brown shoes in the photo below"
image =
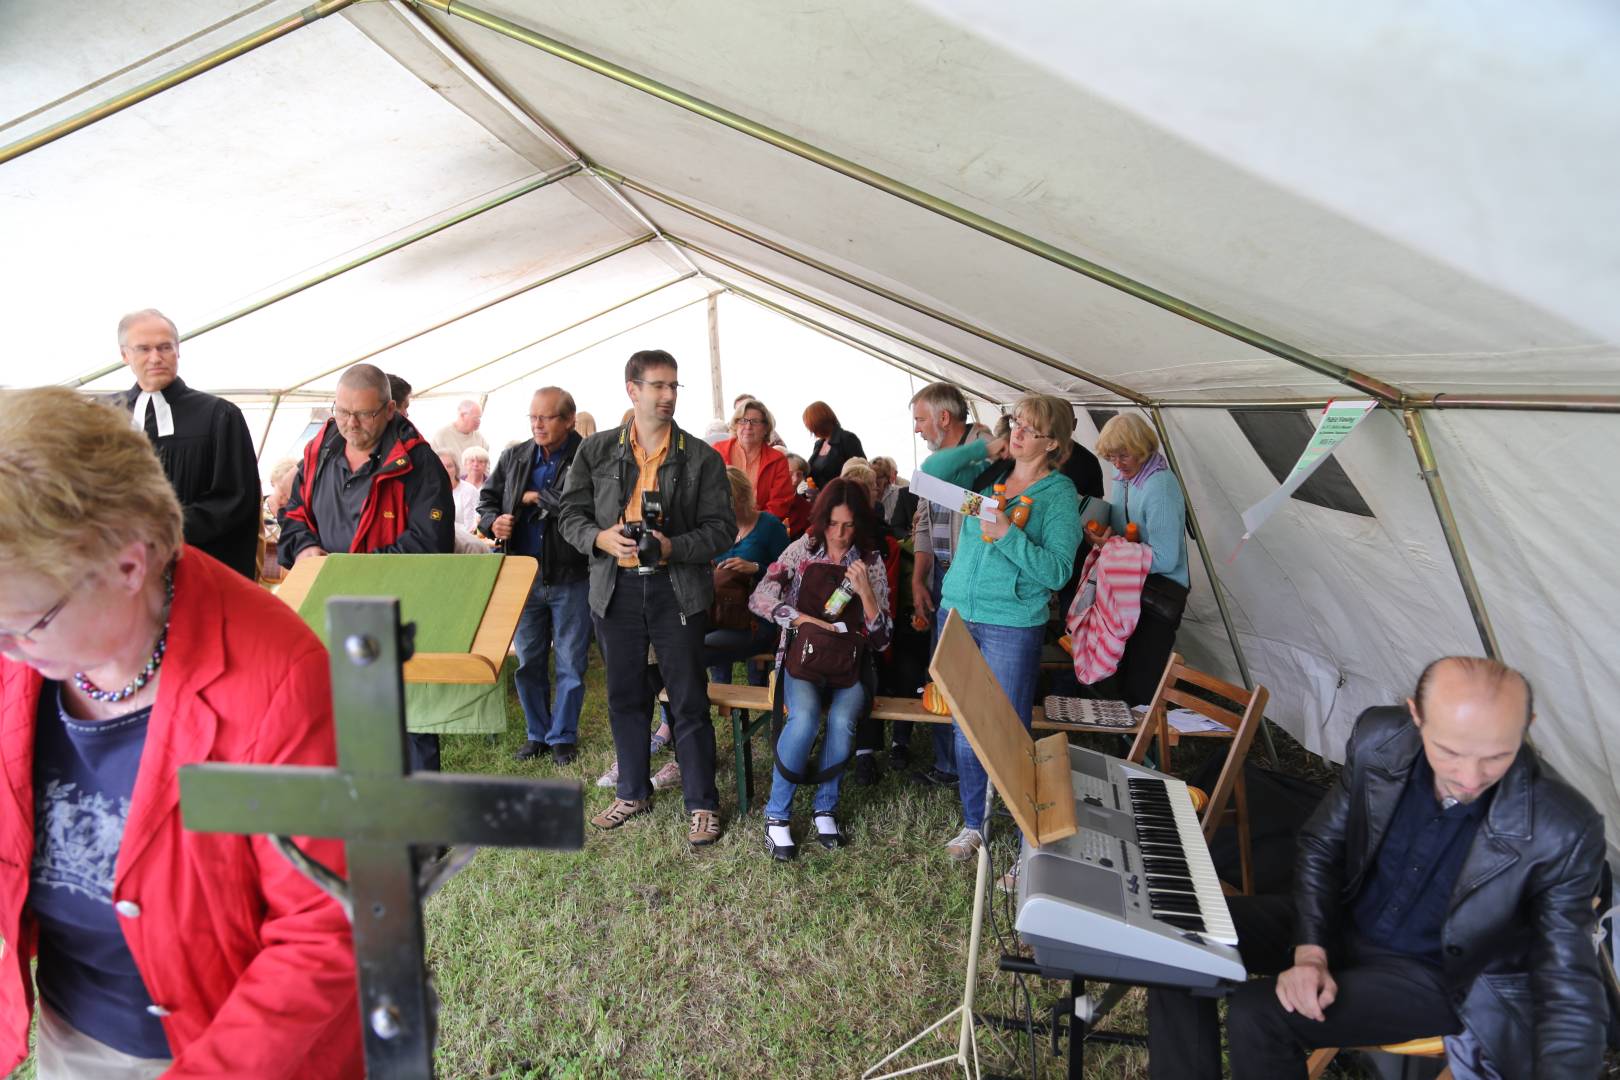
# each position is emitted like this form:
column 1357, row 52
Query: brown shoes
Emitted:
column 705, row 828
column 620, row 812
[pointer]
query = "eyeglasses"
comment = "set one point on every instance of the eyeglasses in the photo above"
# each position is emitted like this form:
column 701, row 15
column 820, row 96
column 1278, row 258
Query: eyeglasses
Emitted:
column 1019, row 425
column 41, row 623
column 1118, row 456
column 166, row 348
column 658, row 386
column 365, row 416
column 542, row 418
column 749, row 422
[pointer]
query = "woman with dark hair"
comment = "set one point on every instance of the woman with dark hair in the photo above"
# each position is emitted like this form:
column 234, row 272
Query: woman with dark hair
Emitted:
column 834, row 445
column 840, row 547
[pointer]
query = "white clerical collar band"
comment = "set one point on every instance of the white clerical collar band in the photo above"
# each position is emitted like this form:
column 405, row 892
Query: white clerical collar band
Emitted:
column 165, row 415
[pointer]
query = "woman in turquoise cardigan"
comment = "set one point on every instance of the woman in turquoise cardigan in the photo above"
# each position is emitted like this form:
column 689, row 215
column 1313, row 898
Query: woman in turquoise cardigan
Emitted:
column 1003, row 577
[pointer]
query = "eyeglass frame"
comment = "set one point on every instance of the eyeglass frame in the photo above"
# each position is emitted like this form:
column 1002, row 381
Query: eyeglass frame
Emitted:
column 365, row 416
column 546, row 418
column 42, row 623
column 659, row 385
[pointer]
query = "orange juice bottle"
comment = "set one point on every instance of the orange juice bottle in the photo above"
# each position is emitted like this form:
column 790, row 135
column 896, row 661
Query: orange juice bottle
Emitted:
column 999, row 492
column 1018, row 516
column 1132, row 533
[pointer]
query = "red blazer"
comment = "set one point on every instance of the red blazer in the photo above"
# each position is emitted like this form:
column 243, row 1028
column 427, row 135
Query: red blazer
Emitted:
column 774, row 492
column 254, row 964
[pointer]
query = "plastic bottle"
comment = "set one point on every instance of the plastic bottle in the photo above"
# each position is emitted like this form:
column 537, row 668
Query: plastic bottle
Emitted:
column 918, row 623
column 1132, row 533
column 839, row 600
column 1018, row 516
column 999, row 492
column 1094, row 531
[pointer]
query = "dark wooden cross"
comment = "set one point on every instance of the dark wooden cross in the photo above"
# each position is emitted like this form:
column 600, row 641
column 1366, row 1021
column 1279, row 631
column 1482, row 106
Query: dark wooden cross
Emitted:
column 391, row 821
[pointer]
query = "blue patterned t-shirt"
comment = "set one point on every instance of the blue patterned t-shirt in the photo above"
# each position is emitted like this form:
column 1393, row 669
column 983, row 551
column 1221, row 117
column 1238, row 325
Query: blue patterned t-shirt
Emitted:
column 84, row 774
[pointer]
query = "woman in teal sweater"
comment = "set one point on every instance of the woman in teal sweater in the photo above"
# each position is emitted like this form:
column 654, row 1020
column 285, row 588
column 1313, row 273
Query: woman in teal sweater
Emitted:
column 1003, row 577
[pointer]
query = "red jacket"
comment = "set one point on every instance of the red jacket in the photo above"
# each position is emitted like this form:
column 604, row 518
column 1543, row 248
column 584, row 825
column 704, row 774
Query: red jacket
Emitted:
column 386, row 514
column 774, row 491
column 254, row 964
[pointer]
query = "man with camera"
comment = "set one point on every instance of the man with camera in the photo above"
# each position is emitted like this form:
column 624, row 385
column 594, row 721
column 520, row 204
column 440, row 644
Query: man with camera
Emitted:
column 518, row 507
column 651, row 506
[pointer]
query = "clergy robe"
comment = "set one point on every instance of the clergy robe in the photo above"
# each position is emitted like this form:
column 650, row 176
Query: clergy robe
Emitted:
column 209, row 459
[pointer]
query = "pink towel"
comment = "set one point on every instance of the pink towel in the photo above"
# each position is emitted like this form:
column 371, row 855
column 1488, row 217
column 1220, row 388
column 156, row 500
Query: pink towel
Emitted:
column 1102, row 619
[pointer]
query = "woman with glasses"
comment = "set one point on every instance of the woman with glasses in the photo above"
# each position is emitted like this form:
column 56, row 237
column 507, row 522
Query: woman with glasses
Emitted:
column 749, row 449
column 142, row 948
column 1003, row 577
column 1147, row 495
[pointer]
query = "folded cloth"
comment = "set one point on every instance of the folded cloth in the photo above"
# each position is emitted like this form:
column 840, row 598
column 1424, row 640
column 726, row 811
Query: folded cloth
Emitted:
column 1102, row 619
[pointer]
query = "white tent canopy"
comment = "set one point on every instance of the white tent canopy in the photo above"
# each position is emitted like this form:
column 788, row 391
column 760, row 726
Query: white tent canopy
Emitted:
column 1210, row 209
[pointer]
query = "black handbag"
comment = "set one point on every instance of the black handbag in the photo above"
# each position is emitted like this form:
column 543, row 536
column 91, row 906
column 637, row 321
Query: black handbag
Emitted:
column 819, row 656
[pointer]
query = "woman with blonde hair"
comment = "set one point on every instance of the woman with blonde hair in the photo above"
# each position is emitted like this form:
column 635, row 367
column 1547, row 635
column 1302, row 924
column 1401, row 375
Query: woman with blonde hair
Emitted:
column 1003, row 576
column 1146, row 494
column 142, row 947
column 749, row 449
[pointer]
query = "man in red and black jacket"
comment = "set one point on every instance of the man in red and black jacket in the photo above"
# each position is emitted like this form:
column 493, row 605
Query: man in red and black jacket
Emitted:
column 369, row 482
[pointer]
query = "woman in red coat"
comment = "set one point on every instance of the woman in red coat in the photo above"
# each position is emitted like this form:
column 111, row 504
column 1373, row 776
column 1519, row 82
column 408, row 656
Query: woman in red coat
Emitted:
column 123, row 656
column 750, row 450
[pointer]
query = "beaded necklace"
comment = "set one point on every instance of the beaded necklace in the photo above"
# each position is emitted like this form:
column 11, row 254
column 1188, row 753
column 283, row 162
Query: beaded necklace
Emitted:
column 144, row 676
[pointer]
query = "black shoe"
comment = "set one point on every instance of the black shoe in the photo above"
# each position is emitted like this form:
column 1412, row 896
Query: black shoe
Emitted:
column 899, row 757
column 830, row 840
column 780, row 852
column 935, row 776
column 865, row 770
column 564, row 753
column 531, row 750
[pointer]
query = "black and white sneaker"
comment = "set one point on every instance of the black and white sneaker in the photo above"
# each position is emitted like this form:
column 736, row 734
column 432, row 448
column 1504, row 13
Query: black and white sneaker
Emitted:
column 829, row 833
column 779, row 840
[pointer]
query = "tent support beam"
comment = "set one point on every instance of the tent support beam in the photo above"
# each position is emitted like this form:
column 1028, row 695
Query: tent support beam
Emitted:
column 1214, row 579
column 866, row 286
column 717, row 392
column 617, row 249
column 575, row 325
column 152, row 87
column 840, row 336
column 920, row 346
column 359, row 261
column 1573, row 403
column 1419, row 435
column 599, row 341
column 258, row 451
column 1366, row 384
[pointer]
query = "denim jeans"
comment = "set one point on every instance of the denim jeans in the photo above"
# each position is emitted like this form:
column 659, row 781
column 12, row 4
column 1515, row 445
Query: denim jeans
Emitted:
column 723, row 648
column 555, row 617
column 1014, row 656
column 804, row 703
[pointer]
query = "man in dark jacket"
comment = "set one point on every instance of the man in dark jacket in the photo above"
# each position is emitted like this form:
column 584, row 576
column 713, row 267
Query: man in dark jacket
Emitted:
column 518, row 507
column 369, row 482
column 1444, row 887
column 656, row 592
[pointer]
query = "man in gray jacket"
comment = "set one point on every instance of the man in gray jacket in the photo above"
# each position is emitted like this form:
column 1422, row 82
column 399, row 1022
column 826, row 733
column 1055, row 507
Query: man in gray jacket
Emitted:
column 651, row 506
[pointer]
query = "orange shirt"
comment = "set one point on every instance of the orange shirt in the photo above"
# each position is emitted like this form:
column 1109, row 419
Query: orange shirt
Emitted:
column 646, row 480
column 740, row 460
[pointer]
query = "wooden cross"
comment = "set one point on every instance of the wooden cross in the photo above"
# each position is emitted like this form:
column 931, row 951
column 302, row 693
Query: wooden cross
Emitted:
column 386, row 816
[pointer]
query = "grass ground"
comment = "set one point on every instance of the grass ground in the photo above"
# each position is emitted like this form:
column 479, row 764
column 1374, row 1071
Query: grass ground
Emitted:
column 639, row 957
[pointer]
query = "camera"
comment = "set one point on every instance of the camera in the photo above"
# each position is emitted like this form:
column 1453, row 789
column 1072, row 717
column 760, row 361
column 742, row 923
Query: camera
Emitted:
column 648, row 551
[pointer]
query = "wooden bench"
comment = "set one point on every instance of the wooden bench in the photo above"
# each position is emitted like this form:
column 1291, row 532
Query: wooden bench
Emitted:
column 749, row 708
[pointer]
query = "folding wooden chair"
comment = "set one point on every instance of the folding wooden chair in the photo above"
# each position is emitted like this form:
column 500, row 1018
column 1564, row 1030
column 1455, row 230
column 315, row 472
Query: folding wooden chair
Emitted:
column 1240, row 727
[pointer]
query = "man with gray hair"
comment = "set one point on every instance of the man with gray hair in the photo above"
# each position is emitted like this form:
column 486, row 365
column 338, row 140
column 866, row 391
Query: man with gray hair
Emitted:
column 202, row 441
column 518, row 507
column 462, row 432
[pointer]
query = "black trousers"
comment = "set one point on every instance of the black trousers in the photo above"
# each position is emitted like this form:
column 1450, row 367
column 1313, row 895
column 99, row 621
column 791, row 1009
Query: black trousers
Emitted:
column 644, row 611
column 1383, row 997
column 422, row 751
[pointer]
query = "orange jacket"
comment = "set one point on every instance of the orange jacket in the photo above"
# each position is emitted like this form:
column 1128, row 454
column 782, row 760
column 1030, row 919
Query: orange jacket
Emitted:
column 253, row 963
column 774, row 493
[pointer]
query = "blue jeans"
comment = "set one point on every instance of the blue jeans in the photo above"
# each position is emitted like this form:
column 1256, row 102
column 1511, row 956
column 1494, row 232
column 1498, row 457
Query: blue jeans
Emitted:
column 1014, row 656
column 803, row 701
column 554, row 617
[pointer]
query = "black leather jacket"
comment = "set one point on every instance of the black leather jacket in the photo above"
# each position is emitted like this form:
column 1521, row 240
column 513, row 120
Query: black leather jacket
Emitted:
column 1517, row 941
column 560, row 561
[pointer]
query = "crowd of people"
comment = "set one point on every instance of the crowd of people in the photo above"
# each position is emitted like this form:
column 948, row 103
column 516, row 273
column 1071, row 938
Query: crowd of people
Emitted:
column 1447, row 873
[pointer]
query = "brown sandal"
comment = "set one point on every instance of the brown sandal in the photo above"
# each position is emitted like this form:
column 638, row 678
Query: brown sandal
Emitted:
column 620, row 812
column 705, row 828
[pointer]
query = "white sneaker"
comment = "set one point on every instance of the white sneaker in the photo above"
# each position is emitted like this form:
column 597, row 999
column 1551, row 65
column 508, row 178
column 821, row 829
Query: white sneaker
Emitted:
column 609, row 778
column 964, row 845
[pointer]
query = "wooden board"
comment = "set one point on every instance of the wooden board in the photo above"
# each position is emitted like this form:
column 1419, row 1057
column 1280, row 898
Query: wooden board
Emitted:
column 482, row 664
column 1033, row 779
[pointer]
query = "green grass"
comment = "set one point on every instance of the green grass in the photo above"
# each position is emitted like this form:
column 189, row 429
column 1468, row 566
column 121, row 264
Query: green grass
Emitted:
column 640, row 957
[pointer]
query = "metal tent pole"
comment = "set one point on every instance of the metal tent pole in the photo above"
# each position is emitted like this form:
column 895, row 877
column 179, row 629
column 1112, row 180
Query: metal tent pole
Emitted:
column 153, row 87
column 1214, row 579
column 716, row 391
column 1419, row 435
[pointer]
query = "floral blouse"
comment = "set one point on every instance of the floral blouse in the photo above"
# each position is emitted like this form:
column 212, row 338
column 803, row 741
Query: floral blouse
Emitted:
column 777, row 594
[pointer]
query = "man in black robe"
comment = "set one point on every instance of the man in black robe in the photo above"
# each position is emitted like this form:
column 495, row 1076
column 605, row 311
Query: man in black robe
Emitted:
column 202, row 441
